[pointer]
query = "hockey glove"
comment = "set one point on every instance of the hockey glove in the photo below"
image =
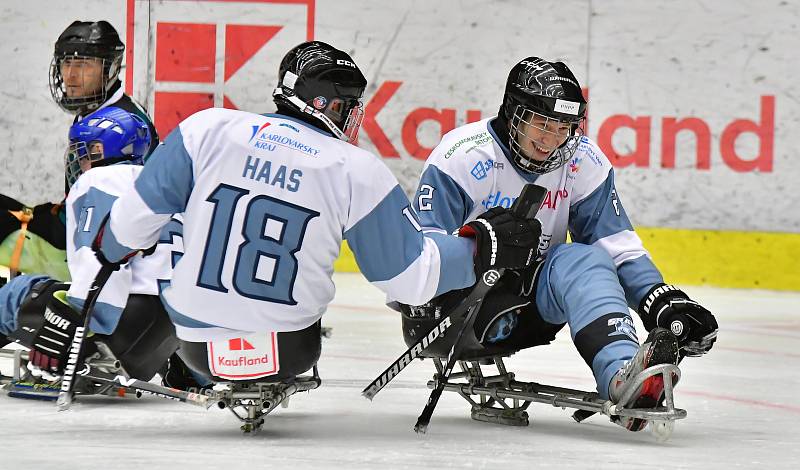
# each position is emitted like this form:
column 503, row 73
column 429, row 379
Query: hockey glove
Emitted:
column 503, row 240
column 669, row 307
column 114, row 265
column 51, row 343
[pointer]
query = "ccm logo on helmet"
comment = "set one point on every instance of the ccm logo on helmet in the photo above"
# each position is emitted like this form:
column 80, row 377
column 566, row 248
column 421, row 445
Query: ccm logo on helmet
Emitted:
column 345, row 62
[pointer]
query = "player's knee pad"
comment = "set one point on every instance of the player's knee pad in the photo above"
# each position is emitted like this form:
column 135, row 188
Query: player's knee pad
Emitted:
column 144, row 337
column 30, row 316
column 291, row 352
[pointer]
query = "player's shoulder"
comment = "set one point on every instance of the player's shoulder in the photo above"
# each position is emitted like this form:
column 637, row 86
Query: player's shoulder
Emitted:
column 463, row 146
column 590, row 153
column 112, row 180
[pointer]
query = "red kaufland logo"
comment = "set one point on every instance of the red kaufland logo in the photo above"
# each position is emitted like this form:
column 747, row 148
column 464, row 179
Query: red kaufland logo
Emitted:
column 244, row 358
column 239, row 344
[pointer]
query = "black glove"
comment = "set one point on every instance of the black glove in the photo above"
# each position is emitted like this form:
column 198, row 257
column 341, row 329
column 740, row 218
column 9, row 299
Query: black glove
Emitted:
column 114, row 265
column 52, row 341
column 503, row 240
column 669, row 307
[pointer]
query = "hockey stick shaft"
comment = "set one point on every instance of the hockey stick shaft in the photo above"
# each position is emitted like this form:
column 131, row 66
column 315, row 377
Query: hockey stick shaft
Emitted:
column 76, row 347
column 140, row 386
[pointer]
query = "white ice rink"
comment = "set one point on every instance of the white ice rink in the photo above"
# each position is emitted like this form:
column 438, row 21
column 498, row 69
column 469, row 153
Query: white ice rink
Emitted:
column 743, row 403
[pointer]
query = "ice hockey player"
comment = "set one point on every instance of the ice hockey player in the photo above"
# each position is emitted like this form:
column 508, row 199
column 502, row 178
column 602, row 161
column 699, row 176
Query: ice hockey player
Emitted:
column 104, row 158
column 590, row 283
column 267, row 200
column 84, row 73
column 84, row 77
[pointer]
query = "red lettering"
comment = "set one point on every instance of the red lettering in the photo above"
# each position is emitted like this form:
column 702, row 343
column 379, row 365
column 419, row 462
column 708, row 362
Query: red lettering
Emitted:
column 548, row 201
column 473, row 115
column 640, row 155
column 447, row 122
column 670, row 128
column 371, row 127
column 765, row 133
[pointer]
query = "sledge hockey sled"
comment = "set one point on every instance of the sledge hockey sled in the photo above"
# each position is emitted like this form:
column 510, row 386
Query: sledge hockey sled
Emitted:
column 255, row 374
column 496, row 396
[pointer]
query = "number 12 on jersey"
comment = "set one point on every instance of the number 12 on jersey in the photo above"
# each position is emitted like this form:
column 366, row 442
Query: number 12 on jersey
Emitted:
column 265, row 266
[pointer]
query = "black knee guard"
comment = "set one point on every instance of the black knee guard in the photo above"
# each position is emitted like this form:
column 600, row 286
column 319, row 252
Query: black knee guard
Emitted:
column 298, row 351
column 144, row 337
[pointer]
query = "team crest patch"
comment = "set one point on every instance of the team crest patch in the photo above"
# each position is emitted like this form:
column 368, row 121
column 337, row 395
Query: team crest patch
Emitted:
column 623, row 326
column 246, row 358
column 320, row 102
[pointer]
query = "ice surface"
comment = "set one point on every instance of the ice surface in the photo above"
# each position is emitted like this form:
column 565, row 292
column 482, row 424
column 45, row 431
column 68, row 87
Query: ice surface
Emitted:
column 742, row 399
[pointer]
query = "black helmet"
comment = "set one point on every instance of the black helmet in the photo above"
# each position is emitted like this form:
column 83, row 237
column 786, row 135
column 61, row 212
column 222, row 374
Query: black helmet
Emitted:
column 549, row 94
column 84, row 40
column 324, row 82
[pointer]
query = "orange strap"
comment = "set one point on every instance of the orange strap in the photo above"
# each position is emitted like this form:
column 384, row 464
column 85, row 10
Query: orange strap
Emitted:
column 24, row 216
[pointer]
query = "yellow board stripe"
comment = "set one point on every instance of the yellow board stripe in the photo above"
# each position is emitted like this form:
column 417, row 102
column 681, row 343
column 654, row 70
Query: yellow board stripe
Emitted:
column 749, row 260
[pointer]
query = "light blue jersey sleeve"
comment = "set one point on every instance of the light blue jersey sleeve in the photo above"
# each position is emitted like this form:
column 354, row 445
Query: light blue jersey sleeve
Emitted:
column 441, row 202
column 393, row 253
column 162, row 189
column 600, row 220
column 11, row 297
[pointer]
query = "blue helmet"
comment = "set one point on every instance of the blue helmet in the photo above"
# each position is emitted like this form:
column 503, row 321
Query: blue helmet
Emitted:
column 109, row 135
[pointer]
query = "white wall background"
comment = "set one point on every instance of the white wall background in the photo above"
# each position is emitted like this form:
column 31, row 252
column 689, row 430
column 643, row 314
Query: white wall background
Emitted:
column 712, row 60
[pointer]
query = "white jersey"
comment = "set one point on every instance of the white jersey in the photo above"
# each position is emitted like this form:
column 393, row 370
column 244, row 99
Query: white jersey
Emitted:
column 469, row 172
column 267, row 200
column 89, row 201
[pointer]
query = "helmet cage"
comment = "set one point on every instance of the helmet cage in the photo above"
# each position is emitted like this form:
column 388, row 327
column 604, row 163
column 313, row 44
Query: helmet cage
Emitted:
column 523, row 119
column 82, row 104
column 77, row 153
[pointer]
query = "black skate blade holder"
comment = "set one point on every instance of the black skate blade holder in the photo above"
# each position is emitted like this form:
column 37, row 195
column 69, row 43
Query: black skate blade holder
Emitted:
column 489, row 395
column 258, row 399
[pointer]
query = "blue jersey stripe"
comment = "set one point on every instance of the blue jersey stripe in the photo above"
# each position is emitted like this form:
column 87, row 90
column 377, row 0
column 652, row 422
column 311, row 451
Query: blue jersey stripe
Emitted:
column 166, row 180
column 94, row 204
column 457, row 268
column 440, row 201
column 384, row 241
column 599, row 215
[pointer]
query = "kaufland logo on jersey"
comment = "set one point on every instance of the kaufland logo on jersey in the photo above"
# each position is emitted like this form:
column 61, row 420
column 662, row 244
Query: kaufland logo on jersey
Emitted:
column 244, row 358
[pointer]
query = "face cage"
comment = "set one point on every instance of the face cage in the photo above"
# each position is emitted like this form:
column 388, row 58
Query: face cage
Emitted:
column 558, row 157
column 58, row 89
column 76, row 152
column 353, row 123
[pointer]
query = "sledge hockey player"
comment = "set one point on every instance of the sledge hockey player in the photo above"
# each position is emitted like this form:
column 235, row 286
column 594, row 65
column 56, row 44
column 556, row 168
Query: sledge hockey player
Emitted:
column 105, row 156
column 267, row 200
column 84, row 73
column 84, row 77
column 537, row 136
